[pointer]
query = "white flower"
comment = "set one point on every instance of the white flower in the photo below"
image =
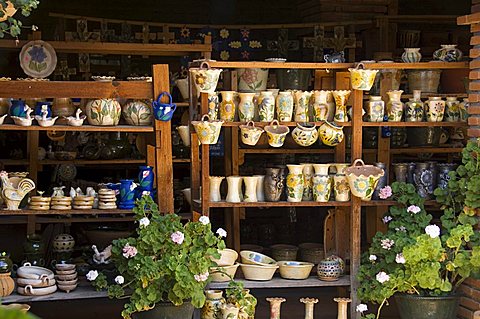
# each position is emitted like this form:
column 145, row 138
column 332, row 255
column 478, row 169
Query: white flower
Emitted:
column 201, row 277
column 92, row 275
column 382, row 277
column 221, row 232
column 177, row 237
column 144, row 222
column 119, row 280
column 413, row 209
column 401, row 228
column 204, row 220
column 387, row 243
column 433, row 231
column 362, row 308
column 133, row 186
column 145, row 193
column 372, row 258
column 387, row 219
column 400, row 259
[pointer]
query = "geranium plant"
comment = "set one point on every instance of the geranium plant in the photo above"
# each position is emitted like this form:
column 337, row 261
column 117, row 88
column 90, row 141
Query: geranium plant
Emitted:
column 8, row 8
column 167, row 261
column 416, row 256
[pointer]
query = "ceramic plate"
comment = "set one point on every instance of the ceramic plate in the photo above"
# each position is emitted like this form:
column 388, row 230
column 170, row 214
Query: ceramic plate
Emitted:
column 38, row 59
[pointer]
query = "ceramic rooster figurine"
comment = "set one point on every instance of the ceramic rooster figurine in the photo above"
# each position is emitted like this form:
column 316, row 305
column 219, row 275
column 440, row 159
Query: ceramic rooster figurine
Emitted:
column 14, row 195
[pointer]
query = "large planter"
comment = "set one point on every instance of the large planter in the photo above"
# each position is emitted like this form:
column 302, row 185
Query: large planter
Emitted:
column 413, row 306
column 167, row 310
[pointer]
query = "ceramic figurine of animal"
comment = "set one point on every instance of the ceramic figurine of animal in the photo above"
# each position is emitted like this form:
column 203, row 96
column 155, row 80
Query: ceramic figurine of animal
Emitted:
column 45, row 121
column 58, row 191
column 24, row 121
column 76, row 120
column 102, row 257
column 2, row 118
column 92, row 193
column 72, row 193
column 14, row 195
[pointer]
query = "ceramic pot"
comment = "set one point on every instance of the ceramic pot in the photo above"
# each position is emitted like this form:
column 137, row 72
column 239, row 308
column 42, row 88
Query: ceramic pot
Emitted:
column 138, row 112
column 375, row 109
column 275, row 306
column 7, row 285
column 382, row 182
column 411, row 55
column 414, row 111
column 341, row 188
column 435, row 109
column 145, row 178
column 423, row 179
column 250, row 134
column 301, row 102
column 448, row 53
column 329, row 270
column 101, row 112
column 229, row 311
column 419, row 307
column 331, row 134
column 184, row 132
column 464, row 110
column 215, row 183
column 281, row 252
column 276, row 133
column 204, row 78
column 212, row 307
column 260, row 187
column 305, row 134
column 63, row 243
column 127, row 194
column 213, row 106
column 43, row 106
column 363, row 179
column 443, row 176
column 5, row 263
column 5, row 104
column 362, row 79
column 234, row 187
column 401, row 172
column 293, row 79
column 250, row 195
column 227, row 106
column 321, row 169
column 207, row 130
column 252, row 79
column 266, row 106
column 17, row 108
column 321, row 107
column 307, row 184
column 273, row 184
column 295, row 183
column 424, row 80
column 284, row 106
column 246, row 109
column 452, row 109
column 322, row 188
column 64, row 107
column 341, row 99
column 395, row 106
column 423, row 136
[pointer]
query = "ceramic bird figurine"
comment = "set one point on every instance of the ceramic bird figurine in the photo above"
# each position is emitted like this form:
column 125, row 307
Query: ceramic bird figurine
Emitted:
column 2, row 118
column 76, row 120
column 24, row 121
column 14, row 195
column 72, row 193
column 45, row 121
column 102, row 257
column 79, row 191
column 58, row 191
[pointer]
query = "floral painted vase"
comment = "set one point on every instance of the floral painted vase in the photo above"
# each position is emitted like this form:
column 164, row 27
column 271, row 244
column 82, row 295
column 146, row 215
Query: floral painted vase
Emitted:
column 266, row 106
column 276, row 133
column 284, row 106
column 103, row 112
column 215, row 183
column 213, row 304
column 145, row 178
column 138, row 112
column 250, row 134
column 329, row 270
column 341, row 99
column 452, row 109
column 295, row 182
column 322, row 188
column 331, row 134
column 395, row 106
column 227, row 106
column 305, row 134
column 414, row 111
column 435, row 109
column 301, row 101
column 213, row 106
column 205, row 78
column 448, row 53
column 375, row 109
column 321, row 106
column 127, row 194
column 273, row 184
column 246, row 108
column 341, row 188
column 321, row 169
column 307, row 182
column 252, row 79
column 207, row 131
column 411, row 55
column 464, row 109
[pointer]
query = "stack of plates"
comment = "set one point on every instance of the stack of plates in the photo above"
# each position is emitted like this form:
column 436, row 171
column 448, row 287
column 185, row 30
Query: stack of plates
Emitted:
column 35, row 281
column 61, row 203
column 67, row 277
column 107, row 199
column 83, row 202
column 39, row 203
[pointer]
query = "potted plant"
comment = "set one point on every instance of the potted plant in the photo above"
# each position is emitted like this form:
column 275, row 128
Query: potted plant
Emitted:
column 164, row 269
column 8, row 8
column 420, row 263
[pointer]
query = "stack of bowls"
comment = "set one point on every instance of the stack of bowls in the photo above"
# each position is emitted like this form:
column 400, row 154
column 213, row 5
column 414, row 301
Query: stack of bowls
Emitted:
column 226, row 266
column 256, row 266
column 35, row 281
column 61, row 203
column 83, row 202
column 67, row 277
column 39, row 203
column 107, row 199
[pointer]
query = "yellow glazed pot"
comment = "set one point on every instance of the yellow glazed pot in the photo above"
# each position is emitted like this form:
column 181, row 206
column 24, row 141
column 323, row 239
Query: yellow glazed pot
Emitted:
column 361, row 78
column 207, row 131
column 363, row 179
column 331, row 134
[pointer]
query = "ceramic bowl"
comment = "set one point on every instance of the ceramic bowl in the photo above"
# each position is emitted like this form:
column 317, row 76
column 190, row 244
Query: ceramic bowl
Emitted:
column 65, row 267
column 311, row 252
column 253, row 258
column 66, row 272
column 28, row 271
column 295, row 269
column 67, row 288
column 16, row 306
column 284, row 252
column 36, row 283
column 65, row 156
column 218, row 276
column 258, row 273
column 67, row 282
column 66, row 277
column 30, row 291
column 227, row 257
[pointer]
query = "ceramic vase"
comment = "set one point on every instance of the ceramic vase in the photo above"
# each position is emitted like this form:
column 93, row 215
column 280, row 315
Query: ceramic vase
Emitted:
column 341, row 188
column 340, row 168
column 284, row 106
column 464, row 109
column 382, row 182
column 7, row 285
column 229, row 311
column 411, row 55
column 266, row 106
column 213, row 304
column 375, row 109
column 5, row 104
column 443, row 176
column 204, row 78
column 307, row 182
column 331, row 134
column 343, row 307
column 260, row 187
column 138, row 112
column 252, row 79
column 295, row 183
column 101, row 112
column 452, row 109
column 320, row 105
column 184, row 132
column 395, row 106
column 273, row 184
column 309, row 305
column 302, row 101
column 414, row 111
column 329, row 270
column 127, row 194
column 246, row 109
column 341, row 99
column 305, row 134
column 17, row 108
column 322, row 188
column 213, row 106
column 423, row 179
column 215, row 183
column 250, row 195
column 321, row 169
column 64, row 107
column 275, row 306
column 401, row 172
column 227, row 106
column 435, row 109
column 448, row 53
column 145, row 178
column 234, row 187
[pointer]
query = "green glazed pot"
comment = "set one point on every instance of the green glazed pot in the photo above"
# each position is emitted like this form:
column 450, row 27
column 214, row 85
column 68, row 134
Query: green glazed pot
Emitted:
column 418, row 307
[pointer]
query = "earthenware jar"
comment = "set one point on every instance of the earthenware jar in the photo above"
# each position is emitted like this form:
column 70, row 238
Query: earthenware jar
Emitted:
column 212, row 307
column 452, row 109
column 184, row 132
column 273, row 184
column 64, row 107
column 138, row 112
column 127, row 194
column 7, row 285
column 341, row 188
column 395, row 106
column 229, row 311
column 5, row 263
column 414, row 111
column 321, row 169
column 362, row 79
column 276, row 133
column 342, row 307
column 375, row 109
column 305, row 134
column 275, row 306
column 234, row 187
column 250, row 134
column 435, row 109
column 207, row 130
column 341, row 99
column 284, row 106
column 266, row 106
column 309, row 305
column 227, row 106
column 252, row 79
column 215, row 182
column 411, row 55
column 63, row 243
column 246, row 109
column 322, row 188
column 213, row 106
column 250, row 195
column 448, row 53
column 260, row 187
column 295, row 182
column 101, row 112
column 307, row 182
column 204, row 78
column 401, row 172
column 320, row 105
column 17, row 108
column 331, row 134
column 363, row 179
column 5, row 104
column 302, row 101
column 423, row 179
column 329, row 270
column 382, row 182
column 443, row 174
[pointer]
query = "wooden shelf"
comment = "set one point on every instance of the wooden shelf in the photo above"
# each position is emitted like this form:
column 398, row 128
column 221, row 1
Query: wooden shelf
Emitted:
column 427, row 95
column 83, row 128
column 419, row 150
column 182, row 104
column 83, row 291
column 13, row 162
column 7, row 220
column 277, row 204
column 94, row 162
column 65, row 212
column 181, row 160
column 414, row 124
column 418, row 65
column 77, row 89
column 286, row 151
column 262, row 124
column 285, row 283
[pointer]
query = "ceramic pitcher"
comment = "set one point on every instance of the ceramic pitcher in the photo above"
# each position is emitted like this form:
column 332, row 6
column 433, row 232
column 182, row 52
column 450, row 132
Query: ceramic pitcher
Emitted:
column 302, row 101
column 307, row 182
column 284, row 106
column 414, row 108
column 227, row 106
column 341, row 99
column 295, row 182
column 246, row 109
column 322, row 188
column 266, row 106
column 250, row 195
column 452, row 109
column 375, row 109
column 320, row 105
column 234, row 187
column 205, row 78
column 215, row 183
column 411, row 55
column 435, row 109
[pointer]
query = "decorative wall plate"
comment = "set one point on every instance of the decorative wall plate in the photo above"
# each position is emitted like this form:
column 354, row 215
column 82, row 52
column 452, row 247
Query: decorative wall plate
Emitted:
column 38, row 59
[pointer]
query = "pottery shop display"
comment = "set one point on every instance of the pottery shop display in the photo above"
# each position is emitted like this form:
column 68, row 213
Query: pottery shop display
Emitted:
column 204, row 78
column 246, row 107
column 341, row 100
column 284, row 106
column 343, row 307
column 375, row 109
column 307, row 182
column 293, row 79
column 45, row 121
column 227, row 106
column 127, row 194
column 42, row 106
column 138, row 112
column 309, row 305
column 163, row 109
column 276, row 133
column 207, row 130
column 273, row 184
column 452, row 109
column 424, row 178
column 448, row 53
column 215, row 183
column 411, row 55
column 295, row 270
column 87, row 202
column 227, row 257
column 213, row 105
column 34, row 250
column 67, row 277
column 102, row 112
column 361, row 78
column 145, row 178
column 322, row 109
column 295, row 182
column 212, row 307
column 301, row 103
column 330, row 134
column 363, row 179
column 275, row 306
column 395, row 106
column 266, row 106
column 252, row 79
column 414, row 110
column 39, row 203
column 424, row 80
column 305, row 134
column 234, row 185
column 329, row 270
column 61, row 203
column 443, row 176
column 435, row 109
column 250, row 195
column 341, row 188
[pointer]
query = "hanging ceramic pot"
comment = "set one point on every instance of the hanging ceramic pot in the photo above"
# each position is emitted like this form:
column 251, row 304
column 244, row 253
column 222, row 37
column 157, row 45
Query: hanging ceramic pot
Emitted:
column 184, row 131
column 252, row 79
column 452, row 109
column 227, row 106
column 301, row 102
column 284, row 105
column 250, row 134
column 341, row 99
column 375, row 109
column 322, row 188
column 213, row 106
column 138, row 112
column 164, row 111
column 103, row 112
column 411, row 55
column 234, row 187
column 215, row 183
column 246, row 109
column 273, row 184
column 435, row 109
column 204, row 78
column 395, row 106
column 266, row 106
column 207, row 131
column 448, row 53
column 341, row 188
column 307, row 182
column 414, row 111
column 361, row 78
column 321, row 108
column 363, row 179
column 331, row 134
column 276, row 133
column 250, row 195
column 295, row 183
column 305, row 134
column 212, row 307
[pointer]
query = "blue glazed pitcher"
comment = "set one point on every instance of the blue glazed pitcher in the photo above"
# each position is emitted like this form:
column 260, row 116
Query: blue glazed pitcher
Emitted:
column 18, row 108
column 164, row 111
column 127, row 194
column 40, row 106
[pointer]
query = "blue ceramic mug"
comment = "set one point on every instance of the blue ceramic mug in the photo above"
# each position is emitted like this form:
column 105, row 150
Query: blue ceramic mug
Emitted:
column 164, row 111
